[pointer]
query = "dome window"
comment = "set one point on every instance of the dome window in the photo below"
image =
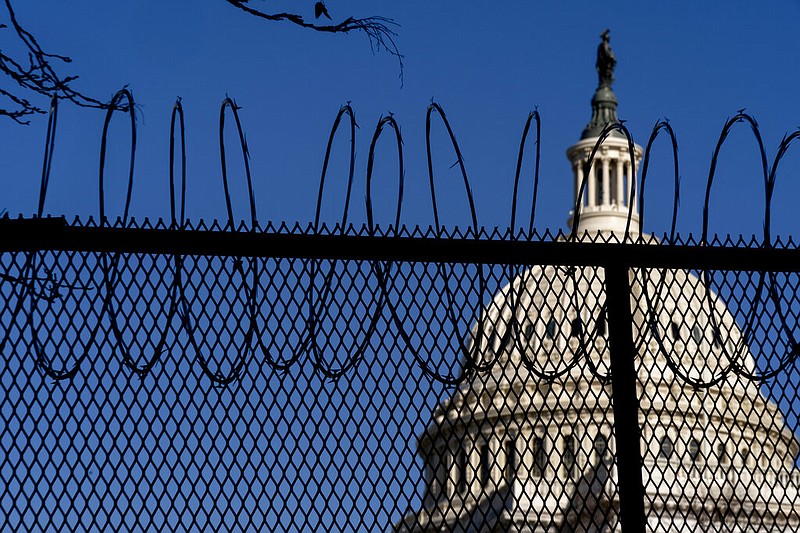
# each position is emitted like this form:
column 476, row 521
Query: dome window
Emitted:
column 614, row 183
column 577, row 327
column 600, row 447
column 569, row 456
column 665, row 447
column 697, row 334
column 528, row 331
column 461, row 460
column 600, row 327
column 599, row 186
column 440, row 469
column 511, row 460
column 486, row 468
column 694, row 450
column 722, row 453
column 551, row 328
column 539, row 457
column 675, row 330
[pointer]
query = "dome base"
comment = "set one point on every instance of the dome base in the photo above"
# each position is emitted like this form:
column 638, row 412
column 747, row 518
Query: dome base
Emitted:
column 606, row 220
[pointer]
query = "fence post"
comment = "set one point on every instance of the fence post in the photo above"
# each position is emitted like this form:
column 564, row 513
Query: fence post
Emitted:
column 625, row 399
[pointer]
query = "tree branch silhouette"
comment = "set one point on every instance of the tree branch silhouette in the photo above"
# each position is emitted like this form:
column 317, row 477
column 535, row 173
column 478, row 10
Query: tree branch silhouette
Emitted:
column 379, row 30
column 32, row 71
column 36, row 74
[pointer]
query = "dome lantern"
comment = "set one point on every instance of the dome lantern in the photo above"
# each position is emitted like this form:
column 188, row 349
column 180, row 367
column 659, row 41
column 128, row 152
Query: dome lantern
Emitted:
column 606, row 197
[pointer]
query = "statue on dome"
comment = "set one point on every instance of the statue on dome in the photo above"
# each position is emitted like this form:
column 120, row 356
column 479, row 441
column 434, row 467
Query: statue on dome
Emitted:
column 605, row 61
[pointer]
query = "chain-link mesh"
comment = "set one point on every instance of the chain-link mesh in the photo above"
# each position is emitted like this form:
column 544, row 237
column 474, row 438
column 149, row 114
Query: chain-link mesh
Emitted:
column 717, row 398
column 150, row 390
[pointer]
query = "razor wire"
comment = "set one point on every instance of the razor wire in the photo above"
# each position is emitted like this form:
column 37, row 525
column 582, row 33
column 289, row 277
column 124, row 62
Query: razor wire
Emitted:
column 315, row 304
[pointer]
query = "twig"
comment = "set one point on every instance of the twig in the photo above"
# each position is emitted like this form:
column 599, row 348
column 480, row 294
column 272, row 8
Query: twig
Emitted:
column 378, row 29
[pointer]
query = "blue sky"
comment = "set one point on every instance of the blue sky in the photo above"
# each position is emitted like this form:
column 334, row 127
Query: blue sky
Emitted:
column 488, row 66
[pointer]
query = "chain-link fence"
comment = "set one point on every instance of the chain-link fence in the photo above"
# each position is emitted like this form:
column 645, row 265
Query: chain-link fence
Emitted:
column 299, row 381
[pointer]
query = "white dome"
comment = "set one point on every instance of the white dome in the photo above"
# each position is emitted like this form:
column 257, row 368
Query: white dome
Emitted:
column 528, row 444
column 557, row 429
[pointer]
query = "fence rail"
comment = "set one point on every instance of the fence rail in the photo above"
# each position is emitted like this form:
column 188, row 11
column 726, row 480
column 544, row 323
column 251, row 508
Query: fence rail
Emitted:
column 455, row 245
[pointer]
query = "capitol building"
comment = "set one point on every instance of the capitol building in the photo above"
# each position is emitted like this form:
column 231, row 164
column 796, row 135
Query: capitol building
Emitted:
column 511, row 450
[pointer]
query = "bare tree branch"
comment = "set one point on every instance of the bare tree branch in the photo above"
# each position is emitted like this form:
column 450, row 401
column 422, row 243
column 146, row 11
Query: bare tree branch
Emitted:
column 35, row 73
column 38, row 76
column 378, row 29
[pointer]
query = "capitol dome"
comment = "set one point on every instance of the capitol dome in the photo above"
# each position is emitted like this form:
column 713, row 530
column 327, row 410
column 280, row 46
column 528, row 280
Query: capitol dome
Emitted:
column 529, row 445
